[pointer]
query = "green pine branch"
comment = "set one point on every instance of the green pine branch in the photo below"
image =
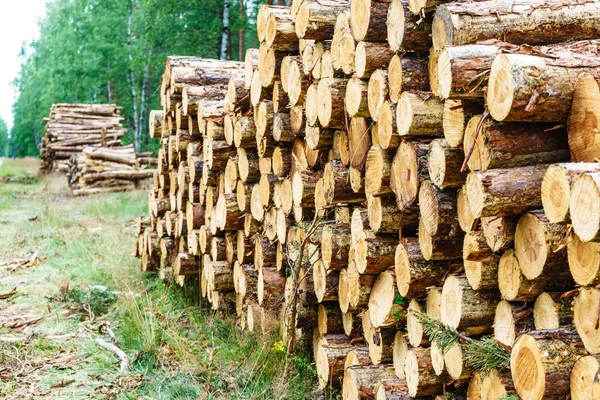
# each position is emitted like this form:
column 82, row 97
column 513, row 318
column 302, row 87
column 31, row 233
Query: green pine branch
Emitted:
column 483, row 355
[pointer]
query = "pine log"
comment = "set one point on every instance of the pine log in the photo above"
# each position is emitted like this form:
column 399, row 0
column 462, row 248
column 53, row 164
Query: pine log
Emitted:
column 368, row 20
column 585, row 318
column 511, row 319
column 514, row 286
column 516, row 95
column 462, row 71
column 583, row 119
column 552, row 310
column 420, row 376
column 438, row 209
column 445, row 163
column 419, row 115
column 541, row 362
column 359, row 142
column 360, row 380
column 584, row 261
column 409, row 168
column 585, row 205
column 385, row 217
column 407, row 30
column 433, row 247
column 377, row 171
column 556, row 188
column 414, row 274
column 406, row 73
column 528, row 22
column 356, row 97
column 513, row 144
column 456, row 115
column 466, row 309
column 374, row 254
column 383, row 310
column 371, row 56
column 505, row 191
column 466, row 219
column 539, row 245
column 584, row 382
column 377, row 92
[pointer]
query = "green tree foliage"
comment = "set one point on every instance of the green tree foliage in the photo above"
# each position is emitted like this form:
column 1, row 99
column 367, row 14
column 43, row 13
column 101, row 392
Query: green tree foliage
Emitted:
column 113, row 51
column 3, row 138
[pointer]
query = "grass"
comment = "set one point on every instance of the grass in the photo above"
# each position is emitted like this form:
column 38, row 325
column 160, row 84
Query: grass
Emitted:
column 177, row 347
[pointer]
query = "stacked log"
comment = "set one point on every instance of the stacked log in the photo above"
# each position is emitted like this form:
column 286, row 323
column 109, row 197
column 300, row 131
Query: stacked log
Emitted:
column 108, row 169
column 70, row 128
column 362, row 159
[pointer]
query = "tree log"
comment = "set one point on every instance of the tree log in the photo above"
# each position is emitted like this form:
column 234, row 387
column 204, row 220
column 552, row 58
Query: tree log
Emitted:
column 541, row 362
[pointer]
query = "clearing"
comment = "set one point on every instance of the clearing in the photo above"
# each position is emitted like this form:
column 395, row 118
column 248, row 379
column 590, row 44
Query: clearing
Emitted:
column 66, row 273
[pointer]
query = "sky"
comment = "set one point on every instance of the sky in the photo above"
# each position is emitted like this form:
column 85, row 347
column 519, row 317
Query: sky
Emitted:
column 18, row 24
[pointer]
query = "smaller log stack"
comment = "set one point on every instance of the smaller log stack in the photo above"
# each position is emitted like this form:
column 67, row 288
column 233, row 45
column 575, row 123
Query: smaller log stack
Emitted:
column 70, row 128
column 108, row 169
column 368, row 118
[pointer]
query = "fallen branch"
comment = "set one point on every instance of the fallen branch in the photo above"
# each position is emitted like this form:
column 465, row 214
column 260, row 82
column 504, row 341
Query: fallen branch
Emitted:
column 124, row 362
column 4, row 296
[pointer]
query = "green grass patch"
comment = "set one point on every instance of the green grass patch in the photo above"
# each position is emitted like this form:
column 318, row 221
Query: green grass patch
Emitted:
column 178, row 348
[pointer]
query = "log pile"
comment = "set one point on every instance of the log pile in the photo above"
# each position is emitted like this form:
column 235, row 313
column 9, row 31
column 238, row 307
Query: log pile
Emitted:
column 108, row 169
column 70, row 128
column 350, row 164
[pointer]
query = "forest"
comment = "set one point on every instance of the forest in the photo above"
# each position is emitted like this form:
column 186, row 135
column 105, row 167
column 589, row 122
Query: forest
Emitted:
column 113, row 51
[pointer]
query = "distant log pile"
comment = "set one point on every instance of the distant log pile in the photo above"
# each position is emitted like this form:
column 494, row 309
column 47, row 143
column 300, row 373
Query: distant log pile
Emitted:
column 108, row 169
column 70, row 128
column 347, row 182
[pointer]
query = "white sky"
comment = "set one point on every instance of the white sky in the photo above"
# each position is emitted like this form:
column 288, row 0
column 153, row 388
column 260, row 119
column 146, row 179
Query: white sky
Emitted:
column 18, row 24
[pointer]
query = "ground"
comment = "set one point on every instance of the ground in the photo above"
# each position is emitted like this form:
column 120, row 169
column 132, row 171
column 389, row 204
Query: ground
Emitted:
column 67, row 272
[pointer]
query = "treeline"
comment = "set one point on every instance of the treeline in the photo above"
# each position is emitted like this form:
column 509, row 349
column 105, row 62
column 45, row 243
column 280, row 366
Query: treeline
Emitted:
column 113, row 51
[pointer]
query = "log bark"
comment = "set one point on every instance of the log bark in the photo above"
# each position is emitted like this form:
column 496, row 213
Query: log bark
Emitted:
column 516, row 95
column 505, row 191
column 528, row 22
column 513, row 144
column 419, row 115
column 414, row 274
column 371, row 56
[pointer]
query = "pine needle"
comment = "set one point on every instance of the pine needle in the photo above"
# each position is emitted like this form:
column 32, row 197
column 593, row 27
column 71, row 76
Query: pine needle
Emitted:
column 486, row 354
column 443, row 334
column 483, row 355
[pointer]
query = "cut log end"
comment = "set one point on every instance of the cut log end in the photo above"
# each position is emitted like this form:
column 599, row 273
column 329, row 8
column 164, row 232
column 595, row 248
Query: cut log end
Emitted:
column 500, row 88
